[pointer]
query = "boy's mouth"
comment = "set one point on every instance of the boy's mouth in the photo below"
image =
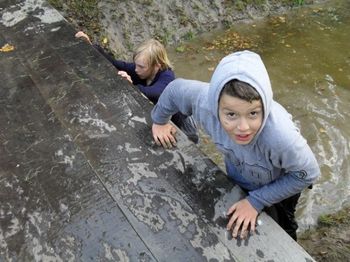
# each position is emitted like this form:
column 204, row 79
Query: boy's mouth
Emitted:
column 243, row 138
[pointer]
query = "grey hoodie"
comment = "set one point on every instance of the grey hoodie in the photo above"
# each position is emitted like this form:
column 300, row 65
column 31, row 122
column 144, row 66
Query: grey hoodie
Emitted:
column 277, row 163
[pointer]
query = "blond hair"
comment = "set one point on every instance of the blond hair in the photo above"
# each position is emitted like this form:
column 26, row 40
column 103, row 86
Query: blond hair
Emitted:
column 155, row 54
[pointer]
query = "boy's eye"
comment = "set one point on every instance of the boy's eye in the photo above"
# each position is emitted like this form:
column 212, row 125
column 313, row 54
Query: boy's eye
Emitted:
column 231, row 115
column 254, row 113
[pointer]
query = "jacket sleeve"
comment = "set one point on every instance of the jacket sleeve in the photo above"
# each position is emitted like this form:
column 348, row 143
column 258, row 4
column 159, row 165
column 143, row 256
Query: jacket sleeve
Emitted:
column 179, row 96
column 119, row 64
column 300, row 170
column 153, row 91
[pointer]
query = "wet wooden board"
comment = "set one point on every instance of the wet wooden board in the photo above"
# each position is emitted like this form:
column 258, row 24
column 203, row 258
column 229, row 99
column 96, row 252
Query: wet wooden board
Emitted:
column 80, row 176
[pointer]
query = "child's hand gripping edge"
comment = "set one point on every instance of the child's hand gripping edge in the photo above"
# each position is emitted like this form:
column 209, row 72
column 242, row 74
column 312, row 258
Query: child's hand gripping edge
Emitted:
column 164, row 135
column 243, row 217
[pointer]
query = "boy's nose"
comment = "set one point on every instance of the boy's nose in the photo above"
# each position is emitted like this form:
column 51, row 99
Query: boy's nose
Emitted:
column 243, row 125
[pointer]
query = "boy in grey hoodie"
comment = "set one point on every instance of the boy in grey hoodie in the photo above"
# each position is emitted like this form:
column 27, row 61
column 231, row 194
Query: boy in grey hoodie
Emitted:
column 265, row 154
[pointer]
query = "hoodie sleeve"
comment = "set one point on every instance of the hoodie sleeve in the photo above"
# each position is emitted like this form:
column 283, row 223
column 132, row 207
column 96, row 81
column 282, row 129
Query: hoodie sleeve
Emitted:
column 179, row 96
column 300, row 170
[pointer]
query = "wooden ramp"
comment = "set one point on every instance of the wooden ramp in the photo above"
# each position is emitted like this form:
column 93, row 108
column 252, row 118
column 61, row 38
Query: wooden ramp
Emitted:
column 80, row 178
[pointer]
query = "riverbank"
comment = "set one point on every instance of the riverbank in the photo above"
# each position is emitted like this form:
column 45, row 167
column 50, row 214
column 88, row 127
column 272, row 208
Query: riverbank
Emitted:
column 329, row 241
column 123, row 25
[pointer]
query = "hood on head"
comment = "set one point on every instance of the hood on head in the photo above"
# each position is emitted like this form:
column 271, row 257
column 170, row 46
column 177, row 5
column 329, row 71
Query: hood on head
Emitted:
column 245, row 66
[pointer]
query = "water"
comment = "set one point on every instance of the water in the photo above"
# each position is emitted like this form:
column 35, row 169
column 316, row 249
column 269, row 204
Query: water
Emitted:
column 306, row 52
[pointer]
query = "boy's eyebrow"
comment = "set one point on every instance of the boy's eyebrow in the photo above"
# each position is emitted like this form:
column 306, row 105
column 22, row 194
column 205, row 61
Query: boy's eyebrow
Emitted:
column 258, row 107
column 254, row 108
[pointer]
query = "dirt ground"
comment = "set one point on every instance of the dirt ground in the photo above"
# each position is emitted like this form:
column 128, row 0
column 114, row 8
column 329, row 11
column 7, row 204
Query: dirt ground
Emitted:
column 330, row 240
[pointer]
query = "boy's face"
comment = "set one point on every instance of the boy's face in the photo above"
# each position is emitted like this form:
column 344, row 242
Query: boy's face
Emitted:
column 143, row 69
column 240, row 119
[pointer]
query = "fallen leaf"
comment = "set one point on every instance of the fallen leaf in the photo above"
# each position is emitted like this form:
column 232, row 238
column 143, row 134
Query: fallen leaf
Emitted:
column 7, row 48
column 282, row 19
column 212, row 47
column 180, row 49
column 207, row 58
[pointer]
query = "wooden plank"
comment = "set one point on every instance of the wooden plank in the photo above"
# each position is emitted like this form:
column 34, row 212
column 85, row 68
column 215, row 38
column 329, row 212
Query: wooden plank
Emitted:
column 52, row 204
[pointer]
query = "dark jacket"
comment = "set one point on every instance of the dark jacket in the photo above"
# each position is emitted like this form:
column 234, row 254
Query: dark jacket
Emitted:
column 154, row 90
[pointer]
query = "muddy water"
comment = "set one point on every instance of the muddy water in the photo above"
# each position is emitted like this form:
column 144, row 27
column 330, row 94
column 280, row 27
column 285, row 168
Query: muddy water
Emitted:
column 306, row 52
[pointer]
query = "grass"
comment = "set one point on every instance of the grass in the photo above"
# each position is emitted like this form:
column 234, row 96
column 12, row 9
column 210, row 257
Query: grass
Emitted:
column 329, row 241
column 327, row 220
column 85, row 11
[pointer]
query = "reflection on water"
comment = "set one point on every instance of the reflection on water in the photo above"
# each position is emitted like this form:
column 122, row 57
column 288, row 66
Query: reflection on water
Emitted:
column 307, row 55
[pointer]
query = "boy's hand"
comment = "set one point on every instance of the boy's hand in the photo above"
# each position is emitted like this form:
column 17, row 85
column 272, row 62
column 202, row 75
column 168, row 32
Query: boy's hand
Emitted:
column 81, row 34
column 164, row 135
column 243, row 216
column 125, row 75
